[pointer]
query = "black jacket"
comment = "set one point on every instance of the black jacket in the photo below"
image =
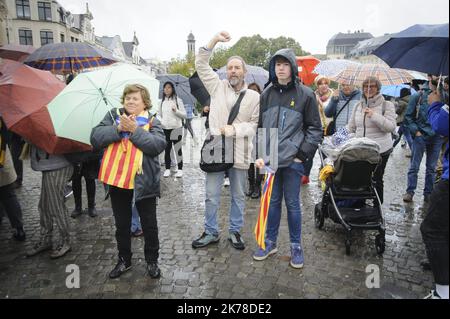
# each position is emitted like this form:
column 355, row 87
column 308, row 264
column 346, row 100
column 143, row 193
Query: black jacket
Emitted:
column 292, row 109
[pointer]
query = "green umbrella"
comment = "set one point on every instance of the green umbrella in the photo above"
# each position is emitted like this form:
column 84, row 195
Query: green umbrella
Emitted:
column 85, row 101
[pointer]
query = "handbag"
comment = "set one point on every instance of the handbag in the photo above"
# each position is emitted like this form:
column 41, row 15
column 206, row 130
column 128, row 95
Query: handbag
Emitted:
column 213, row 156
column 330, row 129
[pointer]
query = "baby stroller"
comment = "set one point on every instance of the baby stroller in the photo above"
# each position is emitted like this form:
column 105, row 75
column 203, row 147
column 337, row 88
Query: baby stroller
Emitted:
column 350, row 197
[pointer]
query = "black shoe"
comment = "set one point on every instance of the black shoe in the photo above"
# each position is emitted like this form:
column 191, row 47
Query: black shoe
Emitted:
column 76, row 212
column 120, row 268
column 425, row 265
column 19, row 234
column 236, row 241
column 153, row 270
column 92, row 212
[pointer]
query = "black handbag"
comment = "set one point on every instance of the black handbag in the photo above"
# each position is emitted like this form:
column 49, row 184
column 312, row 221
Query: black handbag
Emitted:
column 217, row 154
column 331, row 127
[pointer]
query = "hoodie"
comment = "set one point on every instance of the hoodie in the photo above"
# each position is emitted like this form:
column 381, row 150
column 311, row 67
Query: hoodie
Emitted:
column 292, row 109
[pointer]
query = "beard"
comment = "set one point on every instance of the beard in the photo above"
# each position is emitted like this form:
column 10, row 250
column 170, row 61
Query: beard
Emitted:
column 235, row 81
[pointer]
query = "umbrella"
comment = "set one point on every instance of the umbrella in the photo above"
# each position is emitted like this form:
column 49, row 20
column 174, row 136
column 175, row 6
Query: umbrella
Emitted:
column 16, row 52
column 24, row 94
column 332, row 67
column 198, row 90
column 421, row 48
column 255, row 74
column 394, row 90
column 181, row 84
column 306, row 66
column 69, row 57
column 260, row 228
column 86, row 100
column 355, row 75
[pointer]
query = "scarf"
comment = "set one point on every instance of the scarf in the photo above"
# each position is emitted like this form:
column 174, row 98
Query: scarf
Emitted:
column 122, row 160
column 3, row 132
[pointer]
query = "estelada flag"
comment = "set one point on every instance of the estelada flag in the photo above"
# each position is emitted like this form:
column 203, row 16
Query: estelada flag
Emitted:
column 260, row 228
column 123, row 160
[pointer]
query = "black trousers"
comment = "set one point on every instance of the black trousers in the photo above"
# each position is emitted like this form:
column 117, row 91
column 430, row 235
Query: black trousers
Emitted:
column 11, row 206
column 434, row 230
column 77, row 187
column 121, row 204
column 174, row 137
column 254, row 176
column 16, row 146
column 379, row 174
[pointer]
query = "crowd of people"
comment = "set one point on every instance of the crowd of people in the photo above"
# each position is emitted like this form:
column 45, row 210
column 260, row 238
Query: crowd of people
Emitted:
column 128, row 141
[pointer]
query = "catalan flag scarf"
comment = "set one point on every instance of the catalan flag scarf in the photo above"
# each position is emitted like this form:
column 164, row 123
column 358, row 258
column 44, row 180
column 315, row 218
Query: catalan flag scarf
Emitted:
column 123, row 160
column 2, row 143
column 261, row 224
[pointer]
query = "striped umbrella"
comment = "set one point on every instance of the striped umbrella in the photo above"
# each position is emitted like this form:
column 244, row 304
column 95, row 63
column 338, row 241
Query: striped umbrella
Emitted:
column 69, row 57
column 355, row 75
column 260, row 228
column 332, row 67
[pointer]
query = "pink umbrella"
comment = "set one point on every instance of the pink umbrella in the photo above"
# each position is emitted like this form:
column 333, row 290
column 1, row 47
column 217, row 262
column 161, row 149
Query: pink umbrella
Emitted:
column 16, row 52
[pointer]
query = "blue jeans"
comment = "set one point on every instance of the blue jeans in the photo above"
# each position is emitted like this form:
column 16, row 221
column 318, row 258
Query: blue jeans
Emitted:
column 135, row 220
column 432, row 147
column 287, row 183
column 404, row 132
column 214, row 183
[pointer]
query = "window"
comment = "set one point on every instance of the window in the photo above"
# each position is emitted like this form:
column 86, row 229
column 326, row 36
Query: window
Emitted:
column 46, row 37
column 23, row 9
column 25, row 37
column 63, row 38
column 45, row 11
column 72, row 39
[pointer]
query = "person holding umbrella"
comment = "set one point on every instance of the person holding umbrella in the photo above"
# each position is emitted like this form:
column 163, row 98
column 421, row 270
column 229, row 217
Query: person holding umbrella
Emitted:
column 132, row 139
column 172, row 113
column 375, row 118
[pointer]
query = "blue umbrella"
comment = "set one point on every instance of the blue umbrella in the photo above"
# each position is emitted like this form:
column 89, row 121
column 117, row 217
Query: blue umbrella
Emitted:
column 255, row 74
column 181, row 84
column 394, row 90
column 422, row 48
column 69, row 57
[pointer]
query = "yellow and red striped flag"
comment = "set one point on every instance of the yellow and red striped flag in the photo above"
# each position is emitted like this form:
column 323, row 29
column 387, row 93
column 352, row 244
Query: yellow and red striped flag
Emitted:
column 260, row 228
column 123, row 160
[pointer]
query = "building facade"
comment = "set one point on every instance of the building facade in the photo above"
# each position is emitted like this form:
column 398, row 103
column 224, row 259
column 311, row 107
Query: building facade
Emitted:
column 362, row 52
column 3, row 17
column 191, row 44
column 36, row 23
column 341, row 44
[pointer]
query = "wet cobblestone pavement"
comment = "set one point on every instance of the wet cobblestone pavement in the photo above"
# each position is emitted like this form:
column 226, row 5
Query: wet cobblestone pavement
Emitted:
column 220, row 271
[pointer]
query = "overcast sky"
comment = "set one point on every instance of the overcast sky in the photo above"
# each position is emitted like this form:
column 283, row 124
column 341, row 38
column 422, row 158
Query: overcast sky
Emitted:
column 163, row 26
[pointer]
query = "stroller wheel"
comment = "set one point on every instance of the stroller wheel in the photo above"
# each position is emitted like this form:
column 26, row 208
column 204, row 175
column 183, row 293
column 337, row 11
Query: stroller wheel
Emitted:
column 319, row 218
column 380, row 244
column 347, row 247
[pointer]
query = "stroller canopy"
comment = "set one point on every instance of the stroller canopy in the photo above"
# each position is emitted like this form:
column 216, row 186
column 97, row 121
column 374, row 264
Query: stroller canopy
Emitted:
column 359, row 149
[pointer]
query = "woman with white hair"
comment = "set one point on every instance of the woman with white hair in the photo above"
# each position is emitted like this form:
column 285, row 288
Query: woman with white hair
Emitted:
column 375, row 118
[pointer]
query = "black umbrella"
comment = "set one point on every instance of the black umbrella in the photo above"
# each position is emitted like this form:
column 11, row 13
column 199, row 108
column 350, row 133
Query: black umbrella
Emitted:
column 181, row 84
column 198, row 90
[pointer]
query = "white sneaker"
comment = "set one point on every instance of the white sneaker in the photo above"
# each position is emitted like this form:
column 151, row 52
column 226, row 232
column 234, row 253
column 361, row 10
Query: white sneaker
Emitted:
column 226, row 182
column 179, row 174
column 167, row 173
